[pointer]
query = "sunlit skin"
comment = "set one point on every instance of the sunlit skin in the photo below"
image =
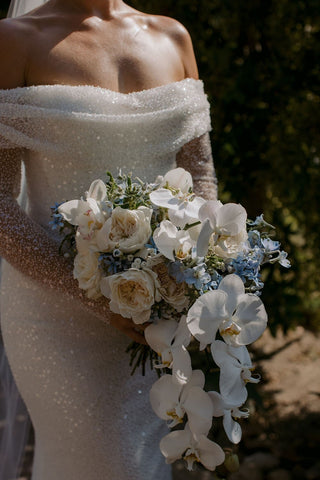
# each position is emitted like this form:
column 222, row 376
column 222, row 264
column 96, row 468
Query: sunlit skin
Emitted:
column 104, row 43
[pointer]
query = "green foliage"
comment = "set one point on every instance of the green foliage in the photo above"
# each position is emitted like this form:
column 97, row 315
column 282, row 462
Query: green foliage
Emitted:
column 260, row 62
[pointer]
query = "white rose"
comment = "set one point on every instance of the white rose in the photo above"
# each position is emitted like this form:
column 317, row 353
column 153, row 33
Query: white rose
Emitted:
column 127, row 230
column 131, row 293
column 86, row 270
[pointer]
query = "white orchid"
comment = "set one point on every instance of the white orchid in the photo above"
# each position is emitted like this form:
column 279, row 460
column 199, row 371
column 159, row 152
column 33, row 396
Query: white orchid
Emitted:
column 89, row 214
column 235, row 371
column 241, row 318
column 170, row 339
column 192, row 448
column 172, row 242
column 229, row 412
column 175, row 195
column 220, row 222
column 171, row 401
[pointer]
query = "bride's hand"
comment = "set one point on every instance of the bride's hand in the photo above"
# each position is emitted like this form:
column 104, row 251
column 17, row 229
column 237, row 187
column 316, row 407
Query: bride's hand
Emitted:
column 125, row 325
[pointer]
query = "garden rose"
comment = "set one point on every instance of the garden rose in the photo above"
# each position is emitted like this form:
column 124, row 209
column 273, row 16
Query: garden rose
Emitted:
column 132, row 294
column 172, row 292
column 86, row 270
column 127, row 230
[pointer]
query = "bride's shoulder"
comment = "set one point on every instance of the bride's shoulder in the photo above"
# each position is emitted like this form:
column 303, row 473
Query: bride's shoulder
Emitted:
column 14, row 37
column 179, row 36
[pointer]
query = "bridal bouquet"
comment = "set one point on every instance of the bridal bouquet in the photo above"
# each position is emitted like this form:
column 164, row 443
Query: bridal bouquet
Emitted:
column 191, row 269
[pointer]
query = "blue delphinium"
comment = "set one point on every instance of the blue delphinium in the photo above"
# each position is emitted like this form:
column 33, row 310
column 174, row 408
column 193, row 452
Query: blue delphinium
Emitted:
column 57, row 221
column 247, row 266
column 196, row 276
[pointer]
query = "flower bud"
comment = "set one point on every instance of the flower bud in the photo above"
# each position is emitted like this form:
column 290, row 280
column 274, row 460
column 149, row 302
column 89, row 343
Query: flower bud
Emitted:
column 232, row 462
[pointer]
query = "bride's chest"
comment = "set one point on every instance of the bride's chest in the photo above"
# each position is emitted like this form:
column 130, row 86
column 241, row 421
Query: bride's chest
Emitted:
column 131, row 62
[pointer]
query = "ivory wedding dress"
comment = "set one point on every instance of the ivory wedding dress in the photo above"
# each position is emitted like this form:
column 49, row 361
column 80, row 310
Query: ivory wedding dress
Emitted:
column 92, row 419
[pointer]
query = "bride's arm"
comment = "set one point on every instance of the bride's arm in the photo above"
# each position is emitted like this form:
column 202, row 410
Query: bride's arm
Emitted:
column 24, row 243
column 196, row 157
column 29, row 248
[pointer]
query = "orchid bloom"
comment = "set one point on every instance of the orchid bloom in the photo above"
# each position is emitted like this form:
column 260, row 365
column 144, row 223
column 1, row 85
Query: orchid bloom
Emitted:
column 172, row 242
column 229, row 412
column 170, row 340
column 235, row 371
column 240, row 317
column 220, row 222
column 171, row 401
column 176, row 195
column 89, row 214
column 192, row 448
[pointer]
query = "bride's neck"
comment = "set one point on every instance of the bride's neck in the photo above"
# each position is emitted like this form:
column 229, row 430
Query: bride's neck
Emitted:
column 103, row 8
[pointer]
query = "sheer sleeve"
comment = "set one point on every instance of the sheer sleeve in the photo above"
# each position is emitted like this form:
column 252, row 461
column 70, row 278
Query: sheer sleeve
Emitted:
column 24, row 243
column 196, row 157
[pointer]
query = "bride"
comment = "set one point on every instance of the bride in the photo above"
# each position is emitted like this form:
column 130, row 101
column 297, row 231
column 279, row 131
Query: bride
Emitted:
column 86, row 86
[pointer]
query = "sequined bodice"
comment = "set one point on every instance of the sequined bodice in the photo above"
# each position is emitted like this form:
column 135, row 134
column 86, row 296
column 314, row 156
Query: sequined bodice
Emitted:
column 75, row 133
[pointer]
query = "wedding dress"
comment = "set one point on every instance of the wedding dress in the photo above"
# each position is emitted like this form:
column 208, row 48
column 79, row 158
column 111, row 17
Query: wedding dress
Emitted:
column 92, row 419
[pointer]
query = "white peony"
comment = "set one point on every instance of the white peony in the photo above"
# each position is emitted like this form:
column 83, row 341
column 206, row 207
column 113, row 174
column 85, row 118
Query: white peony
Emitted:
column 132, row 294
column 86, row 270
column 128, row 230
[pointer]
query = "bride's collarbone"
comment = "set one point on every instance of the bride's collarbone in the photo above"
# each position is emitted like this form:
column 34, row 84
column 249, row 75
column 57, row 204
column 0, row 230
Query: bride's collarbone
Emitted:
column 120, row 59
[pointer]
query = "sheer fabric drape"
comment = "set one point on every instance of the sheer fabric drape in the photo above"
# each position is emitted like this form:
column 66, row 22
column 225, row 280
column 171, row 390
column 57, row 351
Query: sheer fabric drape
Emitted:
column 14, row 419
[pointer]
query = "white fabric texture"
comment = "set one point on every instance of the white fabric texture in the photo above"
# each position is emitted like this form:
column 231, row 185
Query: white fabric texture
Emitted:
column 92, row 420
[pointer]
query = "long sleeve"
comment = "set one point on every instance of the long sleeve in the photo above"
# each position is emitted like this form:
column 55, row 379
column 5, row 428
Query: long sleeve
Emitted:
column 196, row 157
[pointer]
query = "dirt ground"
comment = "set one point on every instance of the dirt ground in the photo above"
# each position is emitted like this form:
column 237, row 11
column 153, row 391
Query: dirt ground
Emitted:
column 281, row 439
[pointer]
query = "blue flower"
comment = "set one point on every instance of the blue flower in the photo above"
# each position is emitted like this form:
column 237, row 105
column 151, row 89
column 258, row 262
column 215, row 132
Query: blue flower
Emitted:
column 270, row 245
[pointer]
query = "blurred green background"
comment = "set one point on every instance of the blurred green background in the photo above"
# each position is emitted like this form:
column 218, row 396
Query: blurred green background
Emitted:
column 260, row 62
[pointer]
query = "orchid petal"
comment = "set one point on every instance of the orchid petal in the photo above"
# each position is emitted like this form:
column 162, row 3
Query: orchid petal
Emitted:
column 193, row 207
column 182, row 335
column 165, row 238
column 233, row 286
column 159, row 335
column 211, row 454
column 181, row 365
column 232, row 428
column 218, row 404
column 231, row 219
column 241, row 354
column 199, row 409
column 164, row 198
column 97, row 190
column 174, row 444
column 197, row 380
column 71, row 210
column 251, row 317
column 209, row 211
column 204, row 237
column 178, row 178
column 164, row 396
column 232, row 386
column 206, row 314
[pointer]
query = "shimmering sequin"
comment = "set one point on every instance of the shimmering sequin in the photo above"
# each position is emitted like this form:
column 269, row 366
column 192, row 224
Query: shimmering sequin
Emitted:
column 92, row 419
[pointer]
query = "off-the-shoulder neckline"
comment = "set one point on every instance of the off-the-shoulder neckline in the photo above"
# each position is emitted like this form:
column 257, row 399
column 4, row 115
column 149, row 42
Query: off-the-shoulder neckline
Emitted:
column 107, row 90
